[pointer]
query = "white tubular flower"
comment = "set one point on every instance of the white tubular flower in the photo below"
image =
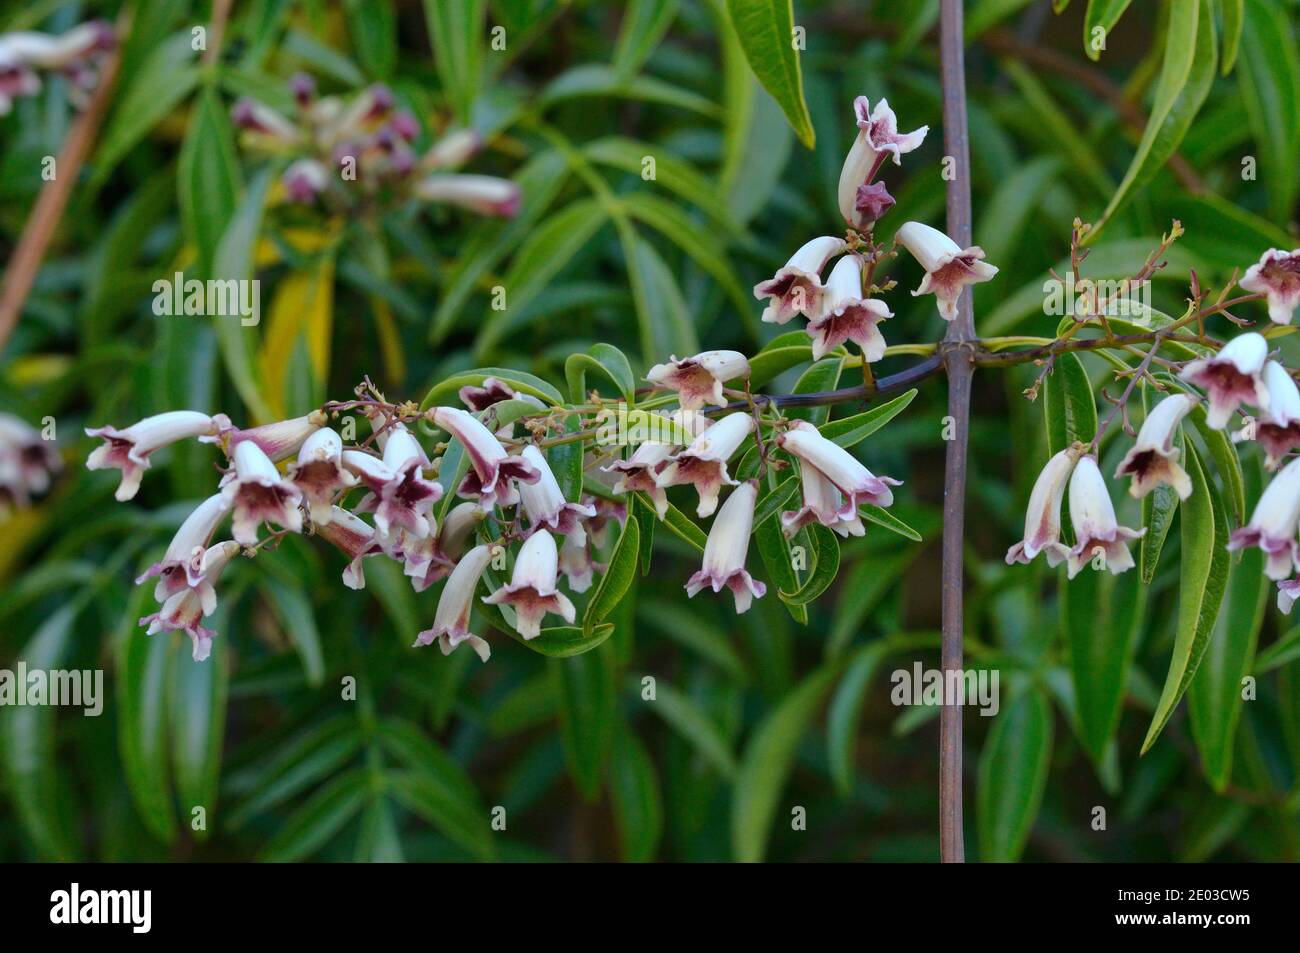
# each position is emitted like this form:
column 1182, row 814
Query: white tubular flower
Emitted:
column 128, row 450
column 451, row 620
column 796, row 288
column 27, row 461
column 492, row 470
column 1232, row 377
column 269, row 128
column 1278, row 428
column 485, row 194
column 305, row 181
column 355, row 538
column 1288, row 591
column 545, row 504
column 576, row 562
column 724, row 552
column 698, row 380
column 858, row 166
column 637, row 473
column 1272, row 526
column 405, row 501
column 847, row 316
column 1043, row 517
column 258, row 494
column 1154, row 458
column 432, row 558
column 49, row 52
column 1277, row 275
column 185, row 610
column 858, row 484
column 1095, row 526
column 452, row 150
column 704, row 462
column 948, row 268
column 822, row 503
column 277, row 440
column 531, row 589
column 182, row 564
column 319, row 473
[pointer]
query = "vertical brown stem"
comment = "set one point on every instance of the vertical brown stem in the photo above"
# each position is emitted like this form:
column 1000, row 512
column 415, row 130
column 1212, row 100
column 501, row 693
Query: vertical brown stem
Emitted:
column 957, row 352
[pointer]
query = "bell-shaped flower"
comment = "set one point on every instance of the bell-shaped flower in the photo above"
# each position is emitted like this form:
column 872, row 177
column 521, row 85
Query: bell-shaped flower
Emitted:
column 451, row 619
column 1273, row 524
column 1043, row 517
column 305, row 181
column 27, row 460
column 847, row 316
column 948, row 268
column 355, row 538
column 877, row 137
column 698, row 380
column 858, row 484
column 319, row 473
column 128, row 450
column 257, row 494
column 1278, row 427
column 1154, row 458
column 576, row 562
column 480, row 398
column 1096, row 530
column 544, row 502
column 1277, row 275
column 485, row 194
column 278, row 440
column 704, row 462
column 637, row 473
column 1233, row 377
column 493, row 472
column 822, row 503
column 429, row 559
column 531, row 589
column 182, row 564
column 184, row 610
column 796, row 288
column 405, row 499
column 725, row 549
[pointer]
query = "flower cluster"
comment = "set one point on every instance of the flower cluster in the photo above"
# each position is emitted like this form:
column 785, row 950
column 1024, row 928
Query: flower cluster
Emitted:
column 380, row 497
column 843, row 307
column 77, row 54
column 343, row 150
column 27, row 463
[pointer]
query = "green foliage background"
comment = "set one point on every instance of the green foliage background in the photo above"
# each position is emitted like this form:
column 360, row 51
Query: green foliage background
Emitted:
column 754, row 715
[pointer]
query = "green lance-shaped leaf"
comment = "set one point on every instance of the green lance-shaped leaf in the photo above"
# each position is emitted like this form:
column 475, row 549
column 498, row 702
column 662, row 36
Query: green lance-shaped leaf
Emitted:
column 142, row 663
column 825, row 567
column 779, row 355
column 585, row 686
column 1101, row 616
column 784, row 495
column 678, row 523
column 319, row 819
column 846, row 707
column 765, row 29
column 637, row 797
column 1234, row 17
column 1068, row 404
column 644, row 25
column 882, row 517
column 775, row 551
column 198, row 696
column 208, row 179
column 27, row 748
column 1214, row 698
column 645, row 517
column 618, row 577
column 766, row 763
column 1270, row 90
column 1191, row 56
column 1203, row 525
column 455, row 33
column 1100, row 17
column 610, row 361
column 850, row 431
column 1012, row 776
column 689, row 719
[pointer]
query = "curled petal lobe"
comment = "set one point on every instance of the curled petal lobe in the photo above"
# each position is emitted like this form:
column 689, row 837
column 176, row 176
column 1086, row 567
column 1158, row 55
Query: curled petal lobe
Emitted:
column 698, row 380
column 881, row 127
column 1278, row 427
column 1232, row 377
column 1276, row 275
column 796, row 288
